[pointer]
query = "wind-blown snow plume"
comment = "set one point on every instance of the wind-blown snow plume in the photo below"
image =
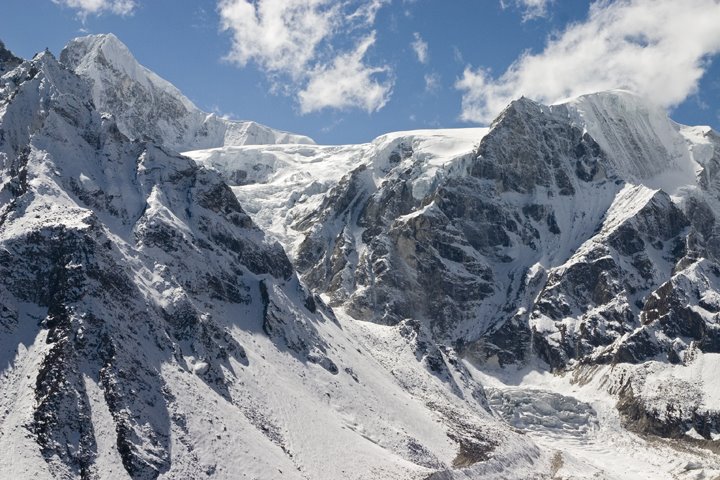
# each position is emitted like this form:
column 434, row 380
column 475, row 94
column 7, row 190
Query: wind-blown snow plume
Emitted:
column 659, row 48
column 294, row 43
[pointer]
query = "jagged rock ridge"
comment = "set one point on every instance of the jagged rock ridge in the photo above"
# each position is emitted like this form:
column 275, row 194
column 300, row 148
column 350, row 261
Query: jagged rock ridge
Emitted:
column 126, row 251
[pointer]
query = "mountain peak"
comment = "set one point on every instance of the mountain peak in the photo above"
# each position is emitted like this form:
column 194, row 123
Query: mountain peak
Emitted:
column 522, row 107
column 150, row 326
column 95, row 56
column 96, row 42
column 148, row 106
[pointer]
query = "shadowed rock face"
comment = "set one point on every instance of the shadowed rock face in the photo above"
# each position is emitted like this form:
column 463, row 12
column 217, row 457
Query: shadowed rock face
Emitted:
column 541, row 244
column 603, row 287
column 432, row 258
column 120, row 259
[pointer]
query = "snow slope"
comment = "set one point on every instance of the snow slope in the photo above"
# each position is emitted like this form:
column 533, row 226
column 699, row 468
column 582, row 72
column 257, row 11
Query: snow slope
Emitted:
column 642, row 143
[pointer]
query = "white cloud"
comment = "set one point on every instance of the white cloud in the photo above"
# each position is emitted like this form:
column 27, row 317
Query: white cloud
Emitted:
column 97, row 7
column 367, row 11
column 280, row 35
column 223, row 114
column 296, row 43
column 420, row 47
column 347, row 83
column 432, row 82
column 658, row 48
column 457, row 54
column 531, row 9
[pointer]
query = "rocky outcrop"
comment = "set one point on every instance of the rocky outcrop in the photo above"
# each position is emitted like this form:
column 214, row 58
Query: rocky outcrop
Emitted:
column 596, row 297
column 134, row 285
column 545, row 241
column 463, row 247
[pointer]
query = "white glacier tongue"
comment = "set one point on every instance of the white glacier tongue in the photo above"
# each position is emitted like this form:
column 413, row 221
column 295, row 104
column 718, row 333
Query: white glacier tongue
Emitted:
column 641, row 142
column 146, row 105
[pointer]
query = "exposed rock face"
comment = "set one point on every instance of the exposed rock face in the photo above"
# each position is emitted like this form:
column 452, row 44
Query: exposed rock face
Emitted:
column 544, row 241
column 146, row 321
column 672, row 418
column 465, row 246
column 149, row 329
column 596, row 297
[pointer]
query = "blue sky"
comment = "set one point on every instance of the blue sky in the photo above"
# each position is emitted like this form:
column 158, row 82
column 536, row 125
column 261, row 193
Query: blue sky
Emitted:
column 348, row 71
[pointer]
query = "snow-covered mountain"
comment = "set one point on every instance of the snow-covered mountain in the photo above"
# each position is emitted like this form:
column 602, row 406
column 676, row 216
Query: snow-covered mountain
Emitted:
column 581, row 235
column 147, row 106
column 538, row 299
column 545, row 216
